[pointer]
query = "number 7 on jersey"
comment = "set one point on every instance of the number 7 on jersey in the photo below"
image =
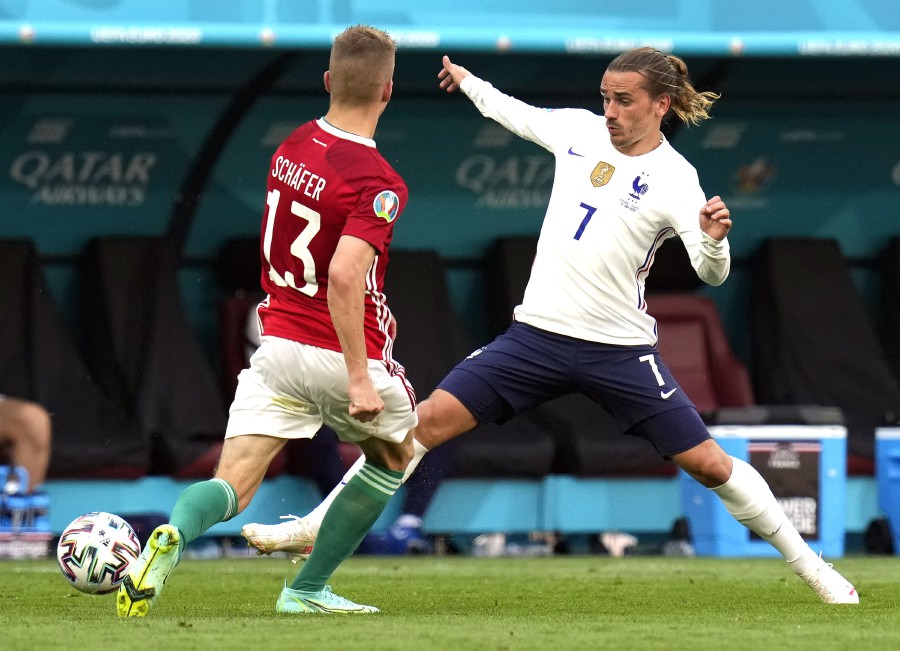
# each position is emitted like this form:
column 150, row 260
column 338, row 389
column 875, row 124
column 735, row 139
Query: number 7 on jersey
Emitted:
column 584, row 222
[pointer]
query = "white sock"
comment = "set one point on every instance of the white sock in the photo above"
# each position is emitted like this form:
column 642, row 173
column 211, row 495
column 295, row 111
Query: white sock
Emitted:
column 419, row 451
column 749, row 499
column 316, row 516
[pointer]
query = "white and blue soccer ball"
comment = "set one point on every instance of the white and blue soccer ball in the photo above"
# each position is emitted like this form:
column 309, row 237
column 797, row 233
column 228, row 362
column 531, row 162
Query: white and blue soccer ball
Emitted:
column 95, row 552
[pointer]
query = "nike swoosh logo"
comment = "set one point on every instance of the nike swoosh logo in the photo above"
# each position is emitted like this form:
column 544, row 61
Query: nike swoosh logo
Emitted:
column 665, row 395
column 136, row 594
column 575, row 153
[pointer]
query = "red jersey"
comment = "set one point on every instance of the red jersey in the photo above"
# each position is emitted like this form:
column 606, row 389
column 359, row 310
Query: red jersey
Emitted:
column 325, row 183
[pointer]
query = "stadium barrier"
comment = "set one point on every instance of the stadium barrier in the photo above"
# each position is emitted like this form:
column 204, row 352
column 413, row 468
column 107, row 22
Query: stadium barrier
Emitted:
column 561, row 503
column 887, row 478
column 805, row 465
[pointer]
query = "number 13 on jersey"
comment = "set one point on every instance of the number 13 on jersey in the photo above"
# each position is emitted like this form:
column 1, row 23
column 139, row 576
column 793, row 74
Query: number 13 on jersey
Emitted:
column 299, row 247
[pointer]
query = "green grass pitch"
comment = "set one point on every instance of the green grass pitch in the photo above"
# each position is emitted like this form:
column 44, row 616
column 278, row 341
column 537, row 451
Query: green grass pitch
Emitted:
column 457, row 603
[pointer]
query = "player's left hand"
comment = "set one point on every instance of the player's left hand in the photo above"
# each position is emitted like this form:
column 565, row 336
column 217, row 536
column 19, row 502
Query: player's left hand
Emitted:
column 715, row 218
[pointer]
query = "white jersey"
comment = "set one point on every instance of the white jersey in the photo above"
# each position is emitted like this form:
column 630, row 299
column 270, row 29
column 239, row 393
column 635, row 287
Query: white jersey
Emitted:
column 608, row 214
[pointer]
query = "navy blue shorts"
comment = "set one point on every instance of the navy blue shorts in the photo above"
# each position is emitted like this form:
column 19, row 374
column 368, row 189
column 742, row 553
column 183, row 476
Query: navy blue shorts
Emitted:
column 525, row 367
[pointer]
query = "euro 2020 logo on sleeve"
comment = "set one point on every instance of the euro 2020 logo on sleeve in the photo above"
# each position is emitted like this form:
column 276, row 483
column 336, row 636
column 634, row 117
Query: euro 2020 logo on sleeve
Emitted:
column 386, row 205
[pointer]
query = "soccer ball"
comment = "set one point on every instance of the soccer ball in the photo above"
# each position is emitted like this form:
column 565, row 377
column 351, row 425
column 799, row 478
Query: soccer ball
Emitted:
column 95, row 552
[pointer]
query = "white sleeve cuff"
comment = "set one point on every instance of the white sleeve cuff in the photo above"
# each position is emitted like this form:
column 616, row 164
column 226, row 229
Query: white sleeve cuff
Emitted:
column 466, row 84
column 712, row 246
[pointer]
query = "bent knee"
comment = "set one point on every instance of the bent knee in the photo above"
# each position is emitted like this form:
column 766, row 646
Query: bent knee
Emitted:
column 388, row 455
column 442, row 417
column 397, row 457
column 711, row 475
column 35, row 424
column 428, row 433
column 708, row 463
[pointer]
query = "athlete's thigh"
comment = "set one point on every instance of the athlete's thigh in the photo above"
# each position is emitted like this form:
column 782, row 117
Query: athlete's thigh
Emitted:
column 636, row 386
column 520, row 369
column 442, row 416
column 291, row 389
column 253, row 451
column 330, row 391
column 632, row 382
column 674, row 432
column 271, row 396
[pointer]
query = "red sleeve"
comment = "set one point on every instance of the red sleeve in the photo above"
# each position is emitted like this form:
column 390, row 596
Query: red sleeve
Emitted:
column 378, row 208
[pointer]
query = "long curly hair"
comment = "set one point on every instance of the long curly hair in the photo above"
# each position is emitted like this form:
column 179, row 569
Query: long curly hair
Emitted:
column 666, row 74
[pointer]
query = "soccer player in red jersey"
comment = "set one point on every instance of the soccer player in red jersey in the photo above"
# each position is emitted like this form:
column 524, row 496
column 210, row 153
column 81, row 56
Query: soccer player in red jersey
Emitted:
column 327, row 336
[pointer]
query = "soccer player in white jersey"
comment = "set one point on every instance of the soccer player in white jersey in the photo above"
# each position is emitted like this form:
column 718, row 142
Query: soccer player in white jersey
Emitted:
column 619, row 190
column 327, row 336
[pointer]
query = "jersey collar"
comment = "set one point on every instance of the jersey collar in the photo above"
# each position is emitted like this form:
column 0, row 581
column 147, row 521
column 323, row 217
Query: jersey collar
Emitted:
column 346, row 135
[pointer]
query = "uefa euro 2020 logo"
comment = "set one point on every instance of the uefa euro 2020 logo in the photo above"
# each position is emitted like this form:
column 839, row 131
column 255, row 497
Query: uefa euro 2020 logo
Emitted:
column 386, row 205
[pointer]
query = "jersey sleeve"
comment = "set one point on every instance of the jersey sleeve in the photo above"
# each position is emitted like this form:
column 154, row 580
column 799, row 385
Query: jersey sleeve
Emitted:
column 710, row 258
column 380, row 204
column 545, row 127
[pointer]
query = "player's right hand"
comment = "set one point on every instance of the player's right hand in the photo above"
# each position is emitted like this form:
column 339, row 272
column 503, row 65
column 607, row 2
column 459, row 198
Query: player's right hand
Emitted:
column 365, row 403
column 451, row 75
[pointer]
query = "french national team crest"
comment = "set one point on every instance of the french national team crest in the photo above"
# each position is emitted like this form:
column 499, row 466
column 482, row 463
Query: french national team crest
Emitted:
column 386, row 205
column 602, row 174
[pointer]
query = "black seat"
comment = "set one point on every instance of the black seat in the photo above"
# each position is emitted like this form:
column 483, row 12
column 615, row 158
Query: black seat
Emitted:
column 890, row 301
column 430, row 338
column 92, row 437
column 815, row 344
column 145, row 355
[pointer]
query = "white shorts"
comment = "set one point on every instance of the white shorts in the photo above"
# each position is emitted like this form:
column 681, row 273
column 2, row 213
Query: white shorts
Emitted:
column 291, row 389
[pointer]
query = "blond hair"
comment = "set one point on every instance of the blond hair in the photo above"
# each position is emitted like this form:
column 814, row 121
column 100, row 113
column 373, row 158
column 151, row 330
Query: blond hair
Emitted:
column 666, row 74
column 361, row 63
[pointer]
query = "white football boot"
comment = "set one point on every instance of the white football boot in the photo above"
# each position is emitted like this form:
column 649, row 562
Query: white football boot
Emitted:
column 293, row 536
column 831, row 587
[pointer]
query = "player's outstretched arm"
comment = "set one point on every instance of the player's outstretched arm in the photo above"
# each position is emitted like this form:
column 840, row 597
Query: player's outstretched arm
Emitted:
column 451, row 75
column 522, row 119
